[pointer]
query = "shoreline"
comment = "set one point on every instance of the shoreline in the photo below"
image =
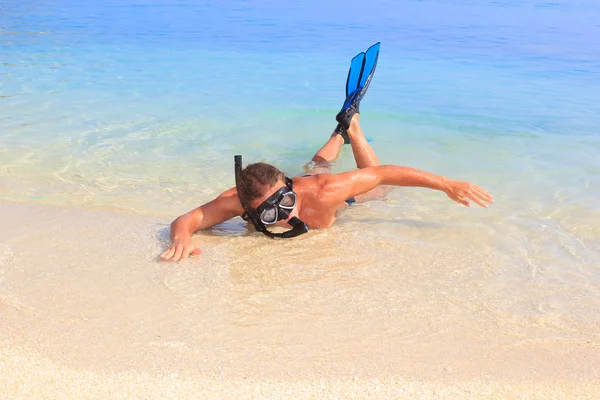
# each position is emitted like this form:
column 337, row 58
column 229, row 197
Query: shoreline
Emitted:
column 46, row 198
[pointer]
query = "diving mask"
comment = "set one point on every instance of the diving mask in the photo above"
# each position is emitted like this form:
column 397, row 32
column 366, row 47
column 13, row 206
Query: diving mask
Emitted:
column 278, row 206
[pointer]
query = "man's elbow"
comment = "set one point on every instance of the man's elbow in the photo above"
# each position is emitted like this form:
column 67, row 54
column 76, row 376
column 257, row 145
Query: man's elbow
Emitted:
column 388, row 174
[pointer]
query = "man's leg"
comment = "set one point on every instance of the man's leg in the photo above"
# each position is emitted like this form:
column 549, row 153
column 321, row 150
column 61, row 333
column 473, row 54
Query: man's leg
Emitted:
column 330, row 150
column 321, row 161
column 365, row 157
column 363, row 153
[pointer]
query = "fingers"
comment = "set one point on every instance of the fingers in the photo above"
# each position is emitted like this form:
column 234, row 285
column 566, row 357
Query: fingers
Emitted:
column 460, row 191
column 473, row 192
column 473, row 195
column 478, row 201
column 464, row 201
column 179, row 252
column 167, row 254
column 188, row 250
column 480, row 196
column 483, row 194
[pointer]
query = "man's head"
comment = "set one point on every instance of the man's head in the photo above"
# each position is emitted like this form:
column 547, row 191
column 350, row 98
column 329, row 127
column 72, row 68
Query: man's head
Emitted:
column 268, row 197
column 257, row 182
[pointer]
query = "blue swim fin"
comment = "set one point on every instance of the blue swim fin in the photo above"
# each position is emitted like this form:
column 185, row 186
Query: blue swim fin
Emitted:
column 362, row 68
column 354, row 74
column 371, row 57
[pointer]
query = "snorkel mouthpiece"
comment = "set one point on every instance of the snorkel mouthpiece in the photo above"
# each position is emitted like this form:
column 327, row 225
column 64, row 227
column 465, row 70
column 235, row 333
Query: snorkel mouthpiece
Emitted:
column 298, row 226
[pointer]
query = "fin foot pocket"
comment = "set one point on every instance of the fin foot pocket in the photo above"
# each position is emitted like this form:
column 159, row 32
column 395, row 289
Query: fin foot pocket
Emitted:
column 339, row 129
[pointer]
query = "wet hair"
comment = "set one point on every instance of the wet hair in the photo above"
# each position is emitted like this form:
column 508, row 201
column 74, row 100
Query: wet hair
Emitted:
column 255, row 179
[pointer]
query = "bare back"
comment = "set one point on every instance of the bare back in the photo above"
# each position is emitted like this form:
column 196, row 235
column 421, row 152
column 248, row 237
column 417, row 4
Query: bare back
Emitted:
column 317, row 205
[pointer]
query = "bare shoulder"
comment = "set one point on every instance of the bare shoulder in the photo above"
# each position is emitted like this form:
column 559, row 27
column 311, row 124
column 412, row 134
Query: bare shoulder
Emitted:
column 315, row 184
column 346, row 179
column 342, row 186
column 325, row 188
column 229, row 193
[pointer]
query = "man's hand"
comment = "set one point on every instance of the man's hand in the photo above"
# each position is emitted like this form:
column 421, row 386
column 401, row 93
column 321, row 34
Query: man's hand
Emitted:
column 180, row 250
column 226, row 206
column 461, row 191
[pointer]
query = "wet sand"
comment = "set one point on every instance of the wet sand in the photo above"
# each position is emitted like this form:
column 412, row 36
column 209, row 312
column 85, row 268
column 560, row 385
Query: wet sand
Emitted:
column 88, row 311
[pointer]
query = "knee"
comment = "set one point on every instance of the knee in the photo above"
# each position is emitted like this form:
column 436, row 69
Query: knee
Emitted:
column 319, row 160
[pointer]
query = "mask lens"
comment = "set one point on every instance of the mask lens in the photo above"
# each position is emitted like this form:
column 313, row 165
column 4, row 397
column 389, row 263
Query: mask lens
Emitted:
column 288, row 200
column 269, row 216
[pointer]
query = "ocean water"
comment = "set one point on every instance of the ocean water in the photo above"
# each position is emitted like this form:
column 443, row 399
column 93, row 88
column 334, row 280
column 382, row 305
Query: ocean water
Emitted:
column 141, row 105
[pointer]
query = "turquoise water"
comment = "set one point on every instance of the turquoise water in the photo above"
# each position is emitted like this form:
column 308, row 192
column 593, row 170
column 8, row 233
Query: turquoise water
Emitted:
column 128, row 103
column 141, row 106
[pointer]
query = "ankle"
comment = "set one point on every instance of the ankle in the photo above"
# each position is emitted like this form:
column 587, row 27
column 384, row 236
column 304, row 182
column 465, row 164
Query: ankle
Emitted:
column 354, row 124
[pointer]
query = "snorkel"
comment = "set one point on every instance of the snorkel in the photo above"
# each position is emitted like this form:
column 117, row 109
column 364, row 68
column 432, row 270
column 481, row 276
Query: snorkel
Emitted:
column 298, row 227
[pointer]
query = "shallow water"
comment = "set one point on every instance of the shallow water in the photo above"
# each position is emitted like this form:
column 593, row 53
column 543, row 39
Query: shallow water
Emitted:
column 125, row 105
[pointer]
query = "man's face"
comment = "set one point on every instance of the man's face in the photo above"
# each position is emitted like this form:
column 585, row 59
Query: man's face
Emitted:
column 268, row 193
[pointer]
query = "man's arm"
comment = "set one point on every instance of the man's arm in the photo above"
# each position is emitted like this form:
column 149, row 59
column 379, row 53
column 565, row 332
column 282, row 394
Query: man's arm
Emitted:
column 223, row 208
column 353, row 183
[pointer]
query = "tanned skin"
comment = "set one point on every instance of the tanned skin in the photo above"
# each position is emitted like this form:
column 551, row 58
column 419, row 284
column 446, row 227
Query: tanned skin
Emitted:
column 321, row 195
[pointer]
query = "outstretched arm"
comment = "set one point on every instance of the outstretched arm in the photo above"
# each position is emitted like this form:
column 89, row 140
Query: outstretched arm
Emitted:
column 360, row 181
column 221, row 209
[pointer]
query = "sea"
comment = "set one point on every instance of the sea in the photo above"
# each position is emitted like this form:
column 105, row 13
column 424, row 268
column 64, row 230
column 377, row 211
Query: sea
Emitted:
column 138, row 107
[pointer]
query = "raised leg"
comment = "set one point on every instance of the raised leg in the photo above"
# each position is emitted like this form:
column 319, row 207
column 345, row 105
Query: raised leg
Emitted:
column 322, row 160
column 365, row 156
column 363, row 153
column 330, row 150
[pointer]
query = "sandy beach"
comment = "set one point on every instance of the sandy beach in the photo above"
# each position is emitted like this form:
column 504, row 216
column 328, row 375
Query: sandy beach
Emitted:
column 88, row 311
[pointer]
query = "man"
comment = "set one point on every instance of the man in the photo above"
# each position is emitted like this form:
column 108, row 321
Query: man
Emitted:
column 265, row 197
column 318, row 196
